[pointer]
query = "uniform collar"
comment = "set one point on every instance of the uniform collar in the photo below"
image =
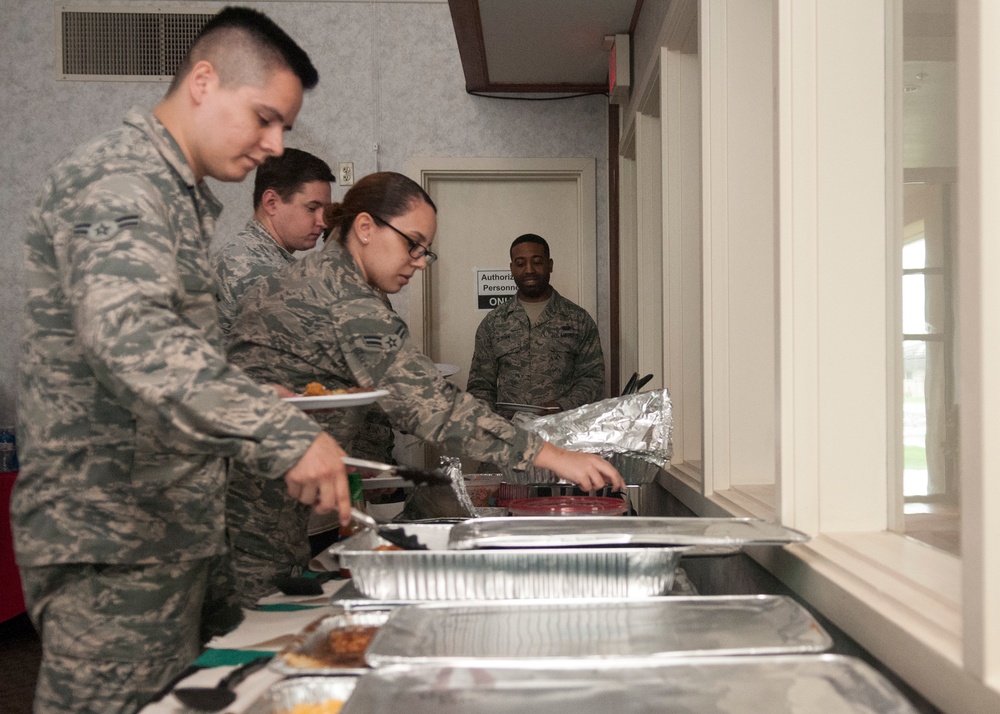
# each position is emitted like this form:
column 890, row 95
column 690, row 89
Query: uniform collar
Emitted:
column 513, row 306
column 171, row 152
column 259, row 231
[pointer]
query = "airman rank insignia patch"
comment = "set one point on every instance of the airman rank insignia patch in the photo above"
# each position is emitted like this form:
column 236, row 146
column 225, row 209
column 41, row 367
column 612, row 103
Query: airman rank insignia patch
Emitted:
column 108, row 228
column 382, row 343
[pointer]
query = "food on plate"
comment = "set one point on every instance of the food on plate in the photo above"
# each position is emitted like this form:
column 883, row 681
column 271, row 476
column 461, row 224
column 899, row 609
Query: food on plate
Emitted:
column 315, row 389
column 343, row 647
column 387, row 547
column 330, row 706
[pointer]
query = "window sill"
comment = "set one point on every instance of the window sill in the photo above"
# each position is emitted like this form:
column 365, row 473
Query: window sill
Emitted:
column 898, row 598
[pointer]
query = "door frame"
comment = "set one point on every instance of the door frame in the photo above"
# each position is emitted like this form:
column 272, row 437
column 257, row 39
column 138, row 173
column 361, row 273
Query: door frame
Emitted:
column 583, row 171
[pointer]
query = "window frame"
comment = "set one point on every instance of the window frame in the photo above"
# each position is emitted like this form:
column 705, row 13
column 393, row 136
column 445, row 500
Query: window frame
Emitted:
column 929, row 616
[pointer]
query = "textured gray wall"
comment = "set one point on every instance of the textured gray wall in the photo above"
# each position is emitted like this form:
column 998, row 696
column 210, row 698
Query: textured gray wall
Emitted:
column 390, row 73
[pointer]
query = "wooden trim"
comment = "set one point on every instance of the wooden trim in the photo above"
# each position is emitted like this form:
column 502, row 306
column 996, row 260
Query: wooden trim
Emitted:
column 560, row 88
column 614, row 282
column 635, row 18
column 471, row 46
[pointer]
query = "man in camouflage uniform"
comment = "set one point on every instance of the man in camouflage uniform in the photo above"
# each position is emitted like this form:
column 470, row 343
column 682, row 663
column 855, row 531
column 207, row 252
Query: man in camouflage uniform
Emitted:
column 288, row 198
column 127, row 407
column 539, row 348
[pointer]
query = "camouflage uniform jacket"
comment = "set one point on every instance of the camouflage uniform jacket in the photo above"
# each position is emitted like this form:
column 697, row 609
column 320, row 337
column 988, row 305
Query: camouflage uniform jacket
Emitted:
column 127, row 407
column 253, row 254
column 318, row 320
column 558, row 359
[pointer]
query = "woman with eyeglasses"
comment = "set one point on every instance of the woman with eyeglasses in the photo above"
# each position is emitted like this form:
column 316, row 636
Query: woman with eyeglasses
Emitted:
column 323, row 320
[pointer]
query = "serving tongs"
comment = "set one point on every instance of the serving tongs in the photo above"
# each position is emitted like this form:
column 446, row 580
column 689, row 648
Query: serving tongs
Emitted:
column 396, row 536
column 436, row 477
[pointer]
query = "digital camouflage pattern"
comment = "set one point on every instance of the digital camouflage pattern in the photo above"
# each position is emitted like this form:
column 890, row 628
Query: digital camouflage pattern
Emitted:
column 319, row 321
column 91, row 649
column 253, row 254
column 271, row 538
column 127, row 407
column 558, row 359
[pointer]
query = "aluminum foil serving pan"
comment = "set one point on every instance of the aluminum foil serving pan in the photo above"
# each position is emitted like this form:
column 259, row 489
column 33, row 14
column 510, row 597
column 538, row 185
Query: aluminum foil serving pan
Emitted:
column 601, row 629
column 283, row 697
column 710, row 535
column 442, row 574
column 332, row 645
column 776, row 684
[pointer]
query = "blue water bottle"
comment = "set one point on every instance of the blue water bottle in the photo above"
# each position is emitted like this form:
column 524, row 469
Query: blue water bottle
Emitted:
column 8, row 450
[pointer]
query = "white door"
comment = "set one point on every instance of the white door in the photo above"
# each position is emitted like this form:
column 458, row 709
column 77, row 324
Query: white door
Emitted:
column 483, row 205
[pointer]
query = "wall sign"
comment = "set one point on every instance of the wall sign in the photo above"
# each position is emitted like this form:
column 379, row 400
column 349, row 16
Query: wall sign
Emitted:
column 493, row 288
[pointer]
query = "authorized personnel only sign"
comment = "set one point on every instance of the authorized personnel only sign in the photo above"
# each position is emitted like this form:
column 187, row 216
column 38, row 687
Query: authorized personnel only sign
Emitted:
column 494, row 287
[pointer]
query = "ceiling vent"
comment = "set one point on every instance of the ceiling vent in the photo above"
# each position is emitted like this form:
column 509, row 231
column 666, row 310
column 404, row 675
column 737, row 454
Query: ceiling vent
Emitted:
column 124, row 46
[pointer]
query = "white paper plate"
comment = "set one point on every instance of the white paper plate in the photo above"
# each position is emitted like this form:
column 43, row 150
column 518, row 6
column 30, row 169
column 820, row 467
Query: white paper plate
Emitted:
column 447, row 370
column 334, row 401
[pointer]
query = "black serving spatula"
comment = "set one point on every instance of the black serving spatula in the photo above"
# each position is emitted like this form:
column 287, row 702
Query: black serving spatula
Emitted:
column 396, row 536
column 212, row 699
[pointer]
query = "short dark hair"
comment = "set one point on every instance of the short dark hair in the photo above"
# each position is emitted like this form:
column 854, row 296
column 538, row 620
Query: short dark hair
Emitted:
column 530, row 238
column 385, row 194
column 241, row 42
column 288, row 173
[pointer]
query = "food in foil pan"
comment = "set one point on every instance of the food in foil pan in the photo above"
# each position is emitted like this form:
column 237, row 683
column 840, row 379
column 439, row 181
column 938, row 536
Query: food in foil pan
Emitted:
column 305, row 695
column 332, row 644
column 633, row 432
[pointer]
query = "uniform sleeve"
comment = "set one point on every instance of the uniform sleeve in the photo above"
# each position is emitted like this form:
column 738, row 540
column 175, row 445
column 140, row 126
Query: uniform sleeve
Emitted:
column 482, row 382
column 588, row 369
column 226, row 281
column 379, row 353
column 141, row 323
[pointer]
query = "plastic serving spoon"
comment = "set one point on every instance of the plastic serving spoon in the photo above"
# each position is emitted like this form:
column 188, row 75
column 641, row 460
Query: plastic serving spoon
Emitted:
column 212, row 699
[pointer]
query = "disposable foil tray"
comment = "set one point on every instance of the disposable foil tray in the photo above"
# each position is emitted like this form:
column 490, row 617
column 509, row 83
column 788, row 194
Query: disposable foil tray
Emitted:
column 782, row 684
column 705, row 535
column 282, row 696
column 442, row 574
column 578, row 630
column 310, row 653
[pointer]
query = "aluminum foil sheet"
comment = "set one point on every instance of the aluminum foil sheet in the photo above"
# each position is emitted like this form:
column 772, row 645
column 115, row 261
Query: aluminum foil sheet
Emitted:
column 709, row 534
column 442, row 574
column 307, row 654
column 281, row 697
column 632, row 432
column 791, row 684
column 440, row 501
column 596, row 628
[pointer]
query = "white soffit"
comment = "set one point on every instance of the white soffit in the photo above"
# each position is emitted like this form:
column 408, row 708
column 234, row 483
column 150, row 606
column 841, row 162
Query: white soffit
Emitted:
column 550, row 41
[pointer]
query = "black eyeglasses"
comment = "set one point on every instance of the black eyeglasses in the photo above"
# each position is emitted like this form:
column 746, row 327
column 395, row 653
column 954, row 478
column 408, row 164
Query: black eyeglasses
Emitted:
column 416, row 250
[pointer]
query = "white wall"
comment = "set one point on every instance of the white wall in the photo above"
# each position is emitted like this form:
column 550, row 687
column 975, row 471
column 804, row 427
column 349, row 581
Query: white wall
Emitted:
column 390, row 73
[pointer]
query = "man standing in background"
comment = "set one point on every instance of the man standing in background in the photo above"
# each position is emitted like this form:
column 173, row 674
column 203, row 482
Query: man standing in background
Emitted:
column 128, row 409
column 539, row 348
column 289, row 194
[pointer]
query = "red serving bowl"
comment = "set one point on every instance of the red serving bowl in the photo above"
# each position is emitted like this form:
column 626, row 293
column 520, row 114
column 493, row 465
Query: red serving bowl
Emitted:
column 568, row 506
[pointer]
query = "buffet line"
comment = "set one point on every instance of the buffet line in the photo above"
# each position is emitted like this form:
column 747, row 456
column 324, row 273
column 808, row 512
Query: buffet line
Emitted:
column 555, row 614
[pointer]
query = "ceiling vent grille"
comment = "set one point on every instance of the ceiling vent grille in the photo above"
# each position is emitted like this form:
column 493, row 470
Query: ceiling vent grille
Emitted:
column 125, row 46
